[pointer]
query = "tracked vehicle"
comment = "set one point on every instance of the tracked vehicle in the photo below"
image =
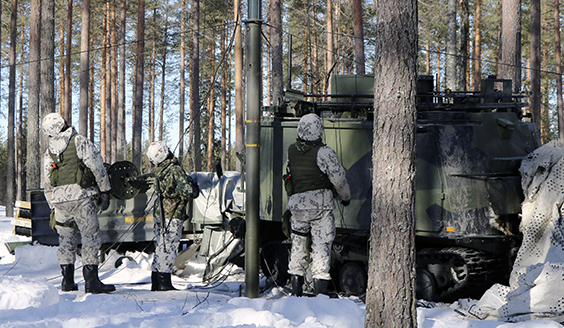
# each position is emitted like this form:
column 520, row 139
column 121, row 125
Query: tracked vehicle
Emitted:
column 469, row 149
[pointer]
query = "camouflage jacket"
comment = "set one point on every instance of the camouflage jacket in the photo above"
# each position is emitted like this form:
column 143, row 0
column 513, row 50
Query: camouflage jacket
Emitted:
column 90, row 156
column 322, row 199
column 176, row 188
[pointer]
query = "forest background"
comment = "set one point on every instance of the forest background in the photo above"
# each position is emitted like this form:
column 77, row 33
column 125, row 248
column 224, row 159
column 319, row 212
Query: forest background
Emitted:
column 126, row 73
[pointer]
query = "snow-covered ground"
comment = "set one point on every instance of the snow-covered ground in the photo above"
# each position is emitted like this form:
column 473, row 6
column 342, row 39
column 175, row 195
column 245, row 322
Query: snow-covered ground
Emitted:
column 30, row 296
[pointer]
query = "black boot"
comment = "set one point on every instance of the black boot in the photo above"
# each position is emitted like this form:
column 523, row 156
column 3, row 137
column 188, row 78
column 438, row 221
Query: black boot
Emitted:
column 320, row 286
column 163, row 281
column 68, row 285
column 154, row 281
column 297, row 285
column 92, row 281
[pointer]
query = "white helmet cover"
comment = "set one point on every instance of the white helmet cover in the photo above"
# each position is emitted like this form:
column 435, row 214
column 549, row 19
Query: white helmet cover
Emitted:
column 52, row 124
column 310, row 128
column 157, row 152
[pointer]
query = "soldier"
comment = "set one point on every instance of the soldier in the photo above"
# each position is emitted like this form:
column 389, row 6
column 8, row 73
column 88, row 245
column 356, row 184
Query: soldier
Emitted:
column 316, row 174
column 74, row 176
column 176, row 189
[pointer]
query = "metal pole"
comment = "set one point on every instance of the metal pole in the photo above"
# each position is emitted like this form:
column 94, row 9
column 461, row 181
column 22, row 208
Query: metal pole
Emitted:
column 253, row 92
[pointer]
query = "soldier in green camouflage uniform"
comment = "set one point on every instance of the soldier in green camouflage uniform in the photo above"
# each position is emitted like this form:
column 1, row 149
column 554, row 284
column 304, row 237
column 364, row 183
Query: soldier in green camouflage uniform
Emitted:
column 177, row 188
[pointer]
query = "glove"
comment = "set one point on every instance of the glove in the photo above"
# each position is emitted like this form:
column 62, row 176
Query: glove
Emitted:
column 104, row 200
column 346, row 202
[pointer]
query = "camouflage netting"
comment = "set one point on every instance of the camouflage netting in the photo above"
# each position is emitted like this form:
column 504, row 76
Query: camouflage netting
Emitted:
column 536, row 285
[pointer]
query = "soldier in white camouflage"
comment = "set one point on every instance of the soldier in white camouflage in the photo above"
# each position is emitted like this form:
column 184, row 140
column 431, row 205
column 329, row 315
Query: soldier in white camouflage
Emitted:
column 176, row 190
column 317, row 177
column 74, row 178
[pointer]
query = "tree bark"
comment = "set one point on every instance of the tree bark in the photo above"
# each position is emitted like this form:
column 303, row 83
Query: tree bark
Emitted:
column 182, row 100
column 477, row 49
column 33, row 174
column 390, row 295
column 153, row 74
column 137, row 125
column 358, row 37
column 239, row 110
column 67, row 114
column 510, row 61
column 451, row 58
column 163, row 79
column 195, row 90
column 120, row 142
column 10, row 160
column 224, row 77
column 535, row 99
column 276, row 41
column 330, row 46
column 464, row 31
column 558, row 58
column 84, row 69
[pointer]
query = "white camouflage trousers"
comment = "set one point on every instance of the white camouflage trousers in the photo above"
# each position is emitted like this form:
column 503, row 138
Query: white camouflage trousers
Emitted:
column 166, row 248
column 83, row 212
column 321, row 225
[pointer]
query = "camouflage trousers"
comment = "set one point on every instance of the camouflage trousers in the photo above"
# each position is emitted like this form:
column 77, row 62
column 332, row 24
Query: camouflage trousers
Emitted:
column 83, row 213
column 321, row 225
column 166, row 245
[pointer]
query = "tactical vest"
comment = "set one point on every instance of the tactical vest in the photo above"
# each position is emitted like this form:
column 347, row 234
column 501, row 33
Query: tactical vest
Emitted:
column 69, row 169
column 305, row 173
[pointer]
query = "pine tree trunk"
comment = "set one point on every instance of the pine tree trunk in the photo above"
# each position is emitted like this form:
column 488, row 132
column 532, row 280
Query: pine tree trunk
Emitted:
column 238, row 76
column 114, row 87
column 152, row 87
column 195, row 89
column 84, row 69
column 477, row 49
column 450, row 70
column 120, row 142
column 510, row 60
column 276, row 41
column 558, row 58
column 358, row 37
column 535, row 99
column 20, row 175
column 67, row 114
column 137, row 125
column 103, row 87
column 330, row 47
column 464, row 31
column 390, row 295
column 163, row 76
column 10, row 160
column 182, row 100
column 224, row 77
column 33, row 174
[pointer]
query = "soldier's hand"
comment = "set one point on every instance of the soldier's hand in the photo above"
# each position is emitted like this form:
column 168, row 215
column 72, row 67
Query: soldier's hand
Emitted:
column 150, row 181
column 346, row 202
column 104, row 200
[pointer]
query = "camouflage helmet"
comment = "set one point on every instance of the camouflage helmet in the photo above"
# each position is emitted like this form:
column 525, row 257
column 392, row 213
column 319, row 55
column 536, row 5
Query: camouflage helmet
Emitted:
column 310, row 128
column 157, row 152
column 52, row 124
